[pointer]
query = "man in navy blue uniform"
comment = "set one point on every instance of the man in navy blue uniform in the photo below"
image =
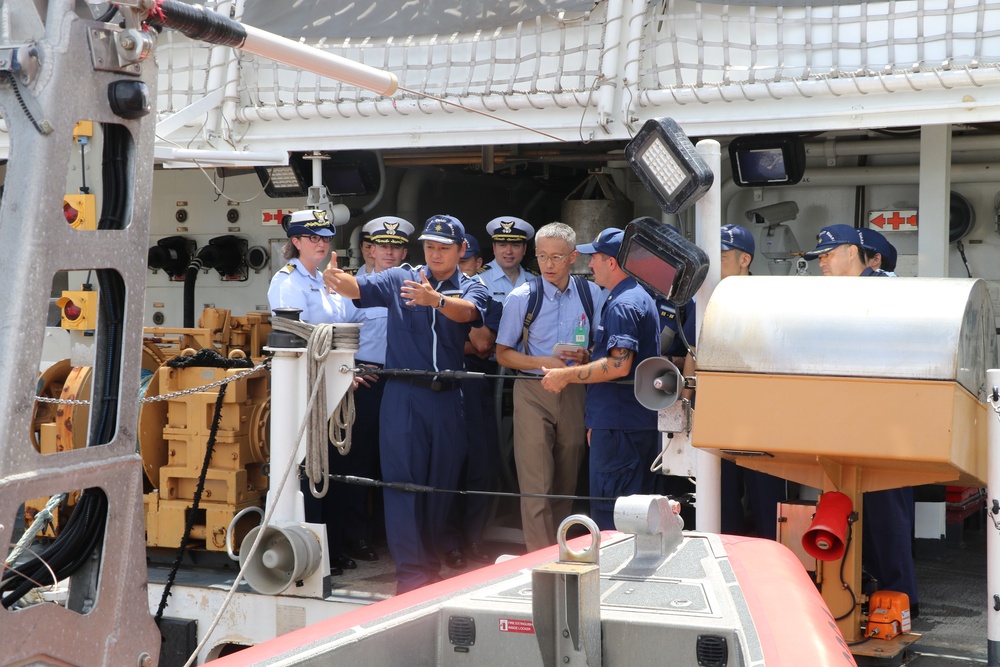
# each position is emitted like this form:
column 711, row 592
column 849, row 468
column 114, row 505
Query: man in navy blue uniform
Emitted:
column 430, row 312
column 888, row 515
column 763, row 491
column 624, row 439
column 880, row 255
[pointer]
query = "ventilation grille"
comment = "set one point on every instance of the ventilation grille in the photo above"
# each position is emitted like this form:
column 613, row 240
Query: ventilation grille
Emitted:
column 462, row 630
column 712, row 651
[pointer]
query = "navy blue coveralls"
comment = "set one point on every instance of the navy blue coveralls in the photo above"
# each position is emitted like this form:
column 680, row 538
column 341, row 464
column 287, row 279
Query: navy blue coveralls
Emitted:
column 624, row 438
column 886, row 545
column 422, row 439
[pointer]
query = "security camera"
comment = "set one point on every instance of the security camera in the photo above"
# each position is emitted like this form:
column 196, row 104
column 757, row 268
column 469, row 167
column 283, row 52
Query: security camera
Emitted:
column 773, row 214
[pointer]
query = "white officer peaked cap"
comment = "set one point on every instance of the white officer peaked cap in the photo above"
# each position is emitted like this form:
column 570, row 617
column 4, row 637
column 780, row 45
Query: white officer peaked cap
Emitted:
column 310, row 221
column 388, row 229
column 509, row 228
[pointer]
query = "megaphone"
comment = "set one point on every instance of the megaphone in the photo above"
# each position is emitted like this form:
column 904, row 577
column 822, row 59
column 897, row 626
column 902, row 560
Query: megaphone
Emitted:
column 287, row 553
column 826, row 535
column 658, row 383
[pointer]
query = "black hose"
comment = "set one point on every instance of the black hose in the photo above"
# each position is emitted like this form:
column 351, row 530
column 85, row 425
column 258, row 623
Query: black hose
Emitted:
column 196, row 22
column 190, row 278
column 77, row 540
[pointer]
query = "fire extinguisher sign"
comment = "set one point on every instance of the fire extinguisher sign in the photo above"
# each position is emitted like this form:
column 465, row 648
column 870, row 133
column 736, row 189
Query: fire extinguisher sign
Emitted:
column 518, row 625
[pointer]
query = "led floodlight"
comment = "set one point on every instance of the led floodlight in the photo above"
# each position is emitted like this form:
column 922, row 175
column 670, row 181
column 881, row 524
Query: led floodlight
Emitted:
column 668, row 165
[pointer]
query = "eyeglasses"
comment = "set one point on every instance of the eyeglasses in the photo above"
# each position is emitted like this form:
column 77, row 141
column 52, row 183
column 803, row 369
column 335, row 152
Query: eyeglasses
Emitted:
column 555, row 259
column 314, row 238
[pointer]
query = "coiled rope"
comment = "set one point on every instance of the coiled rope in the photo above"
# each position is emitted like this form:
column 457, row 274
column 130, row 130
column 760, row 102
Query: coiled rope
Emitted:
column 321, row 339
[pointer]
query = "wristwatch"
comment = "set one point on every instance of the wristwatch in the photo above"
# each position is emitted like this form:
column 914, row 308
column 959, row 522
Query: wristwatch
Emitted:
column 440, row 303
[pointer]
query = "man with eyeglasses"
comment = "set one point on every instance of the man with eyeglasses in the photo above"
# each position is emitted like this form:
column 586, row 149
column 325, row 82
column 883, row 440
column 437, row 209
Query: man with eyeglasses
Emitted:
column 549, row 435
column 430, row 310
column 510, row 237
column 624, row 439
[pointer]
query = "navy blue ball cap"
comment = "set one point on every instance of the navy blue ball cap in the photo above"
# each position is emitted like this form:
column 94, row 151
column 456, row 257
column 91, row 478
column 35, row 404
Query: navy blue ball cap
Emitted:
column 874, row 241
column 609, row 241
column 735, row 237
column 471, row 246
column 443, row 229
column 306, row 222
column 832, row 237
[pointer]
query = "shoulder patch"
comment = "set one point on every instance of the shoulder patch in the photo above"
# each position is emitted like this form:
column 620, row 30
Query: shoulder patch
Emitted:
column 486, row 267
column 287, row 268
column 530, row 272
column 482, row 269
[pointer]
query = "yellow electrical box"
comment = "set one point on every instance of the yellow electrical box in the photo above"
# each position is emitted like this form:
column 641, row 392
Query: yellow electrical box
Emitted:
column 79, row 310
column 83, row 128
column 80, row 211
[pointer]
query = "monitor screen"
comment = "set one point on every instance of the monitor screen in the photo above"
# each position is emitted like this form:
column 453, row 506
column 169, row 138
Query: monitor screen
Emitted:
column 762, row 165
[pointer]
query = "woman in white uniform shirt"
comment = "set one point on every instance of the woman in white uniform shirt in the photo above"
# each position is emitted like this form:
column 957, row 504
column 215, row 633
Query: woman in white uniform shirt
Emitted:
column 299, row 284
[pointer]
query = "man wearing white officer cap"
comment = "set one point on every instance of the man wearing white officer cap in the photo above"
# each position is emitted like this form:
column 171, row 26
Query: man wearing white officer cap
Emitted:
column 390, row 236
column 510, row 241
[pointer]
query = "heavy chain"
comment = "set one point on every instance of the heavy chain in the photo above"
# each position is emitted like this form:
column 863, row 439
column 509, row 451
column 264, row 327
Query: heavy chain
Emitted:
column 166, row 397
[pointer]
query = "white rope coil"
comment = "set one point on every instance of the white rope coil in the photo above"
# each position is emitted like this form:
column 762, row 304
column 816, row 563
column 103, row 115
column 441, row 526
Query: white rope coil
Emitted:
column 321, row 428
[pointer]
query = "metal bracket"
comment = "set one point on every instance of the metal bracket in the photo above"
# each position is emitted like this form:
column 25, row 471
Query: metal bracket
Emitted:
column 23, row 60
column 566, row 602
column 676, row 418
column 104, row 53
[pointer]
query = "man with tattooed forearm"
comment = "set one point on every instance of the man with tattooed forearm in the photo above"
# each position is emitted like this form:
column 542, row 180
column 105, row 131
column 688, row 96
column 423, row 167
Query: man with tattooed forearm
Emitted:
column 622, row 434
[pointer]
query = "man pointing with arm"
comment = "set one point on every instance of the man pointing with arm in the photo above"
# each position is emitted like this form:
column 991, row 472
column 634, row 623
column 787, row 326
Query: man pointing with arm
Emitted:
column 430, row 310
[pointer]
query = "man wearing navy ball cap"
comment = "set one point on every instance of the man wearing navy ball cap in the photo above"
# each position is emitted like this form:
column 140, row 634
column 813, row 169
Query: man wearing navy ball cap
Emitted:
column 623, row 434
column 887, row 526
column 880, row 255
column 430, row 312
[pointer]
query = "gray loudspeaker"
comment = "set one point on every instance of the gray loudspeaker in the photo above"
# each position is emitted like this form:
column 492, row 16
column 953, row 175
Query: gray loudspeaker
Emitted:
column 658, row 383
column 286, row 554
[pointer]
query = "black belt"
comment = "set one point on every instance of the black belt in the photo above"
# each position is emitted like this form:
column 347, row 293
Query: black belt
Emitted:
column 433, row 385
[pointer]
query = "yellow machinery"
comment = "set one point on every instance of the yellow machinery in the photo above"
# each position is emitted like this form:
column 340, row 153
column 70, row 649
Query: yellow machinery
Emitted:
column 173, row 433
column 849, row 385
column 173, row 461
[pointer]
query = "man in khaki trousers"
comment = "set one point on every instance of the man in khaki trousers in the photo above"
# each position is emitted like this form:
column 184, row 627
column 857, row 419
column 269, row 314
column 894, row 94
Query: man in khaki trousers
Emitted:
column 549, row 435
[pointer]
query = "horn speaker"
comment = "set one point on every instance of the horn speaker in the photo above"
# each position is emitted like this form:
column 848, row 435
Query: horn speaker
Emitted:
column 825, row 539
column 286, row 554
column 658, row 383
